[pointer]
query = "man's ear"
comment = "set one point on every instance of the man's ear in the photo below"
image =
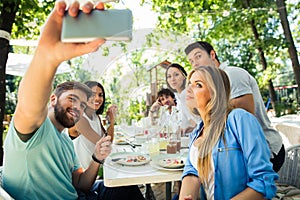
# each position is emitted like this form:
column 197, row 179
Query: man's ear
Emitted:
column 53, row 100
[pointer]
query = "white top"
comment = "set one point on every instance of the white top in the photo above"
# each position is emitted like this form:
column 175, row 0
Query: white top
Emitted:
column 241, row 83
column 209, row 185
column 83, row 147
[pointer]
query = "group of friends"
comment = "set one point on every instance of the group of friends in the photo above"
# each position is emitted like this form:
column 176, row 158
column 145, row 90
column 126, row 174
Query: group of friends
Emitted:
column 234, row 153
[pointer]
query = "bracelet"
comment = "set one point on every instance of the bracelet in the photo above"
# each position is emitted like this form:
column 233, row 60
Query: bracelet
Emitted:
column 96, row 160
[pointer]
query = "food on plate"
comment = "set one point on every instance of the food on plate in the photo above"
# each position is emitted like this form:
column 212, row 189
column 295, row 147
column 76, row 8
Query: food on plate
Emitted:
column 130, row 158
column 120, row 138
column 171, row 162
column 138, row 158
column 119, row 141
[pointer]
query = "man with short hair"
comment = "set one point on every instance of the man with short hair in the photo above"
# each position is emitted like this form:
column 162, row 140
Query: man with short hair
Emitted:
column 244, row 94
column 165, row 98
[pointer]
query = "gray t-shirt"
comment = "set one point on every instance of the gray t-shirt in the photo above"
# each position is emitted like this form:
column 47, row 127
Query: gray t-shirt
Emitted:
column 241, row 83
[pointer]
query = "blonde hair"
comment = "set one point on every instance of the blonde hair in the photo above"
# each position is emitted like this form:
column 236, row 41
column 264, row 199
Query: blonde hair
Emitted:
column 215, row 114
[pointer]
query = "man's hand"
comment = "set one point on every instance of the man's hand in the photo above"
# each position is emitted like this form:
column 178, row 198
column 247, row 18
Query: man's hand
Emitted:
column 103, row 148
column 50, row 44
column 156, row 105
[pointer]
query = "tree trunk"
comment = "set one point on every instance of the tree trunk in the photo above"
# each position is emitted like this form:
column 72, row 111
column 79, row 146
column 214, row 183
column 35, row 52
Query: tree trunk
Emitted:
column 262, row 56
column 289, row 38
column 7, row 17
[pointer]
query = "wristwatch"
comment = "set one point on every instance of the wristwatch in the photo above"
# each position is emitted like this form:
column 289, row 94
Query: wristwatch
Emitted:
column 96, row 160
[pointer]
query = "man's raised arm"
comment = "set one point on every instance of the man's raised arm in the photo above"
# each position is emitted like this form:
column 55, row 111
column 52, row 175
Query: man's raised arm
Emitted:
column 36, row 85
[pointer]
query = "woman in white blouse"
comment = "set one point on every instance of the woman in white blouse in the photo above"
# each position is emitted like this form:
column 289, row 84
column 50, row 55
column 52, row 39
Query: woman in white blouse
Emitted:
column 89, row 127
column 176, row 82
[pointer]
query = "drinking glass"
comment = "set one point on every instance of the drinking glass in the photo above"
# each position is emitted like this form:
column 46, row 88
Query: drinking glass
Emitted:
column 153, row 147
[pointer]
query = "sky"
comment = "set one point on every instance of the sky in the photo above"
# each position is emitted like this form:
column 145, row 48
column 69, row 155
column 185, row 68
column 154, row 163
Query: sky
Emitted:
column 142, row 15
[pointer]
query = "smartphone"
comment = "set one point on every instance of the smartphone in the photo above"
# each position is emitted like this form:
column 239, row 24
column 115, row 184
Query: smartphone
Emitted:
column 111, row 24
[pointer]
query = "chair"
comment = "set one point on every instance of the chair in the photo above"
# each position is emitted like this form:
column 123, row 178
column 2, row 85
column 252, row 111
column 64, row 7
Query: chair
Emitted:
column 289, row 173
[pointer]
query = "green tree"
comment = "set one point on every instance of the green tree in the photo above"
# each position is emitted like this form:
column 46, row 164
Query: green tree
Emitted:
column 247, row 35
column 281, row 7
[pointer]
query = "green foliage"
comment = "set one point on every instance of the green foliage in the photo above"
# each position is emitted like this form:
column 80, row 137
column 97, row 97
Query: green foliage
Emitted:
column 12, row 83
column 223, row 23
column 286, row 107
column 135, row 110
column 30, row 17
column 226, row 24
column 76, row 73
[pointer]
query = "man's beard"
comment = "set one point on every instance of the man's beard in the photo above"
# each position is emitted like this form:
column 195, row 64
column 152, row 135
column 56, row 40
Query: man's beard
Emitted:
column 62, row 117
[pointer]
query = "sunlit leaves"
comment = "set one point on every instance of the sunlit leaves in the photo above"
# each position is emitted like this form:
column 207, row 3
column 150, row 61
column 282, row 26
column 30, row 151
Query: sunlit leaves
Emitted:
column 226, row 24
column 30, row 17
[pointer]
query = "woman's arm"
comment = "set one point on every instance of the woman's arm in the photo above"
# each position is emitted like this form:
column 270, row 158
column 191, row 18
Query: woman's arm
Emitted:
column 248, row 194
column 83, row 127
column 111, row 113
column 254, row 145
column 190, row 188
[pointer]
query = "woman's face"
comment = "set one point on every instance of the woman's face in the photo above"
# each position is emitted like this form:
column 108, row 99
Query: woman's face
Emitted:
column 175, row 78
column 199, row 88
column 96, row 100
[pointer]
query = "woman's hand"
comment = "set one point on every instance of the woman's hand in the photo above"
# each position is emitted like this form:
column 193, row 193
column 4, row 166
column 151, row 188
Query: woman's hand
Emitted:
column 112, row 112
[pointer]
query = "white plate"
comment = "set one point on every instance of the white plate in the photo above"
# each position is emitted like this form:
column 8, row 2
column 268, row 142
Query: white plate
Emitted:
column 121, row 139
column 130, row 158
column 153, row 164
column 170, row 161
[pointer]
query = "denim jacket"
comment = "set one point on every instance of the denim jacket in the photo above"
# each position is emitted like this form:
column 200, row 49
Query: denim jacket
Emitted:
column 242, row 161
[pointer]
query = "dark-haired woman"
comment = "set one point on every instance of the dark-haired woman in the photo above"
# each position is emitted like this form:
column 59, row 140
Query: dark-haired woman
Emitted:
column 89, row 127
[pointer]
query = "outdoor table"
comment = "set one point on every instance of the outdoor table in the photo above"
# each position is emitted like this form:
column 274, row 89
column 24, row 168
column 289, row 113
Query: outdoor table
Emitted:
column 121, row 175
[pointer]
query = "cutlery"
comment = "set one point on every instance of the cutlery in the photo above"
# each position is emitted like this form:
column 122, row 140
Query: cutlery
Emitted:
column 117, row 159
column 129, row 142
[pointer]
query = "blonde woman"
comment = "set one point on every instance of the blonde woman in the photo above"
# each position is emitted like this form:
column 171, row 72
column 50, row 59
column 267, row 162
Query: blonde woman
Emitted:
column 228, row 153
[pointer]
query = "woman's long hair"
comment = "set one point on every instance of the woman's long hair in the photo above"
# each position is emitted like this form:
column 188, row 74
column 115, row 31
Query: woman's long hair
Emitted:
column 215, row 115
column 183, row 72
column 91, row 84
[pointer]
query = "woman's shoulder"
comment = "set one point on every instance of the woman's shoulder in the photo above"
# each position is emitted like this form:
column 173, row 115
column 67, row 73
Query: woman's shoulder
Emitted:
column 239, row 113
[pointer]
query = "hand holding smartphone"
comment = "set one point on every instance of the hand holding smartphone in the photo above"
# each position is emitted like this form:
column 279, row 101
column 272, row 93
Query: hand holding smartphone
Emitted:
column 111, row 24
